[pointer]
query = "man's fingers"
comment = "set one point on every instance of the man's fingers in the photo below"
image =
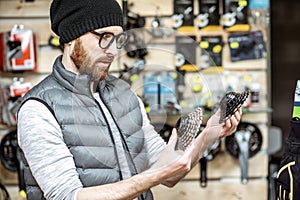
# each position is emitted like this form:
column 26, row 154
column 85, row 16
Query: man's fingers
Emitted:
column 238, row 114
column 173, row 138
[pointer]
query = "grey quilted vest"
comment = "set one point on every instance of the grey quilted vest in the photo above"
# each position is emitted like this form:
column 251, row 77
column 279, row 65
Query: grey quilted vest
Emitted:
column 85, row 128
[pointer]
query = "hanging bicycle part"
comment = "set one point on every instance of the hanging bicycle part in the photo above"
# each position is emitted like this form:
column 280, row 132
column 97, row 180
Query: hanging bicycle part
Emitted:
column 130, row 74
column 10, row 156
column 4, row 195
column 131, row 20
column 208, row 155
column 125, row 12
column 179, row 18
column 230, row 18
column 8, row 151
column 135, row 21
column 158, row 29
column 136, row 47
column 244, row 144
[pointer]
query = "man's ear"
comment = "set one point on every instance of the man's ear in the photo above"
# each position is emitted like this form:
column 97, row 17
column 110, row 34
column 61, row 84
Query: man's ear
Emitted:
column 69, row 47
column 71, row 44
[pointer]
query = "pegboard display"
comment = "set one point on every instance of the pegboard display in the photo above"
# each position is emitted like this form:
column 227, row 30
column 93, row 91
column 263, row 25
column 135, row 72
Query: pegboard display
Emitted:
column 194, row 64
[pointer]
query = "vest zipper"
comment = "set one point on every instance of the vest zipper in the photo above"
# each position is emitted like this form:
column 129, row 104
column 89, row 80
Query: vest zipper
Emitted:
column 112, row 139
column 124, row 143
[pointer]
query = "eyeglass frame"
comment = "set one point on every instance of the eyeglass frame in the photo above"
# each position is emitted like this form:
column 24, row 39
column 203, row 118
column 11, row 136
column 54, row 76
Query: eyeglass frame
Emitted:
column 101, row 36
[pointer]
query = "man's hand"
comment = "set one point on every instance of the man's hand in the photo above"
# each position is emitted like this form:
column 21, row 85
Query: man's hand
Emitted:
column 172, row 165
column 214, row 131
column 226, row 128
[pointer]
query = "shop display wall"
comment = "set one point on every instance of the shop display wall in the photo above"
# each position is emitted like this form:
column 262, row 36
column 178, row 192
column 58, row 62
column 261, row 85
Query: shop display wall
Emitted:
column 160, row 58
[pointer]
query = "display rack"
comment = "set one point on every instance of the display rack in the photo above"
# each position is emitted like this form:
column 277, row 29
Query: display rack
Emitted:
column 34, row 15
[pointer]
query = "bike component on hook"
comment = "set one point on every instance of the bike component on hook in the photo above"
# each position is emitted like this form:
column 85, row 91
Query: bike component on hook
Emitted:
column 203, row 171
column 179, row 59
column 230, row 18
column 4, row 193
column 188, row 126
column 130, row 74
column 8, row 151
column 136, row 47
column 158, row 30
column 125, row 12
column 209, row 15
column 208, row 155
column 230, row 103
column 202, row 20
column 244, row 144
column 10, row 158
column 179, row 18
column 131, row 20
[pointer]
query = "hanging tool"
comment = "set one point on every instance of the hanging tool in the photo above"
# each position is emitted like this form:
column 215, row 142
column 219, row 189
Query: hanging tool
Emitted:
column 244, row 144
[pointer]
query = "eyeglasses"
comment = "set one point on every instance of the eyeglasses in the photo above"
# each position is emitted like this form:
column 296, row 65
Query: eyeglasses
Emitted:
column 107, row 38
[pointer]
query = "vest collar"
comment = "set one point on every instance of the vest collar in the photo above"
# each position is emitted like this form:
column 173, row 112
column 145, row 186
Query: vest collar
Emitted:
column 79, row 84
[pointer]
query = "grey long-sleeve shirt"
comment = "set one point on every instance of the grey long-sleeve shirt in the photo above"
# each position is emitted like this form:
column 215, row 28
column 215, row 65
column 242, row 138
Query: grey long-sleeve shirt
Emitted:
column 50, row 161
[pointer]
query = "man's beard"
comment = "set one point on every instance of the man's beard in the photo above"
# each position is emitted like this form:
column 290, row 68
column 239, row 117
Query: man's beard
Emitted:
column 84, row 63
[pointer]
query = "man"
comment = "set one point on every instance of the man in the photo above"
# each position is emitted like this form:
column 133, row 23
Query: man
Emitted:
column 84, row 134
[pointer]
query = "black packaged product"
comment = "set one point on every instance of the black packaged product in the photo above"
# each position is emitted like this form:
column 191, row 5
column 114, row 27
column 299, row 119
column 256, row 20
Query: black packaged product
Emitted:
column 209, row 15
column 235, row 15
column 246, row 46
column 211, row 51
column 183, row 15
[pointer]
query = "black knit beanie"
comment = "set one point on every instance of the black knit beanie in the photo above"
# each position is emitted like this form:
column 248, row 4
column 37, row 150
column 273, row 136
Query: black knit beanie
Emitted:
column 72, row 18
